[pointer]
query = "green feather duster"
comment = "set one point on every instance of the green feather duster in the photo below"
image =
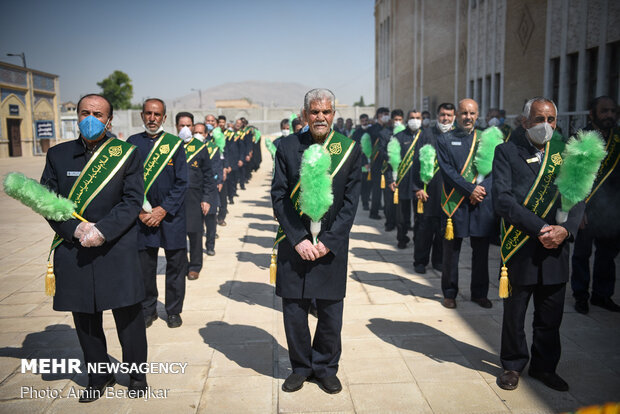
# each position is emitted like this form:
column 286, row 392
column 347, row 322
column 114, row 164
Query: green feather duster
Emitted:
column 257, row 135
column 582, row 158
column 272, row 148
column 489, row 139
column 427, row 163
column 393, row 150
column 316, row 186
column 366, row 145
column 398, row 128
column 36, row 196
column 219, row 139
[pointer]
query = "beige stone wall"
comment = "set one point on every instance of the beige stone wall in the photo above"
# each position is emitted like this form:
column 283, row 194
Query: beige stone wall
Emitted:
column 525, row 55
column 402, row 70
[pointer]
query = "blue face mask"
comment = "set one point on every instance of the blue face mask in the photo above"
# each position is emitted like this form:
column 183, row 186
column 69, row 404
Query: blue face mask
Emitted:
column 502, row 120
column 209, row 127
column 304, row 129
column 91, row 128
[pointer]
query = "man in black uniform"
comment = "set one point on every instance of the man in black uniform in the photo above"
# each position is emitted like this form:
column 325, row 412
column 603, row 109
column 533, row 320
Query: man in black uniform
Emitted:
column 427, row 232
column 396, row 120
column 162, row 219
column 601, row 224
column 227, row 168
column 469, row 207
column 308, row 271
column 200, row 190
column 376, row 160
column 96, row 263
column 535, row 249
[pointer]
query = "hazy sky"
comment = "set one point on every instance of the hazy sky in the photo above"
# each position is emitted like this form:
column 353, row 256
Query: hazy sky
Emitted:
column 169, row 47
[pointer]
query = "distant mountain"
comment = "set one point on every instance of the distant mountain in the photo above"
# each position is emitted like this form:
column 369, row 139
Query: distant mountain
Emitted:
column 269, row 94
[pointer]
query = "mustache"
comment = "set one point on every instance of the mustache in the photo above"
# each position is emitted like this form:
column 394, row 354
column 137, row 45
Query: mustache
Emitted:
column 320, row 123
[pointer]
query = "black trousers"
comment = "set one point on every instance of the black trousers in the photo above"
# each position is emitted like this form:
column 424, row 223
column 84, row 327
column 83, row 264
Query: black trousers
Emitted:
column 222, row 210
column 322, row 355
column 176, row 270
column 604, row 271
column 479, row 267
column 211, row 226
column 233, row 178
column 403, row 219
column 548, row 311
column 366, row 187
column 428, row 236
column 389, row 208
column 375, row 192
column 131, row 334
column 195, row 251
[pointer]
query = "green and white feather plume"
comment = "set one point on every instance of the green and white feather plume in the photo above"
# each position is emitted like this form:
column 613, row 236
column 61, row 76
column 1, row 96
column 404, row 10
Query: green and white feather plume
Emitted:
column 219, row 139
column 394, row 159
column 427, row 163
column 366, row 145
column 270, row 147
column 489, row 139
column 316, row 186
column 291, row 118
column 398, row 128
column 582, row 157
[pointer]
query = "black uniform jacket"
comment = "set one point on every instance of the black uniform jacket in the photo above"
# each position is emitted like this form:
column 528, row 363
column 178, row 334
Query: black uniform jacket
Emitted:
column 378, row 133
column 168, row 192
column 513, row 177
column 326, row 277
column 201, row 188
column 217, row 167
column 432, row 207
column 469, row 220
column 405, row 138
column 109, row 276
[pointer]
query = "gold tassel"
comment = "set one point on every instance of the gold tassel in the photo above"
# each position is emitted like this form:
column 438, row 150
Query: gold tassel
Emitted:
column 368, row 177
column 449, row 229
column 504, row 283
column 382, row 181
column 420, row 206
column 273, row 268
column 50, row 280
column 396, row 195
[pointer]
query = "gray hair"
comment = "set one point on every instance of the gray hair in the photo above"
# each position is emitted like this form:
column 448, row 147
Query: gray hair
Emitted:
column 319, row 94
column 528, row 105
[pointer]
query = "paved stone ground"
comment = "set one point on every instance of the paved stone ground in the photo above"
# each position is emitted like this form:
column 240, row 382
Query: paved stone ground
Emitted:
column 402, row 351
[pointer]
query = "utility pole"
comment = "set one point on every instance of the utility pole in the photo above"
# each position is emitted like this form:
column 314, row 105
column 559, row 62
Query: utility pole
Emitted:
column 199, row 96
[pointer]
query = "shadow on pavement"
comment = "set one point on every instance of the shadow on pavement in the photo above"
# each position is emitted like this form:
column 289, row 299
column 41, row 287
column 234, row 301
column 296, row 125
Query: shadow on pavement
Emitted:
column 262, row 260
column 265, row 242
column 258, row 216
column 264, row 227
column 247, row 346
column 251, row 293
column 398, row 284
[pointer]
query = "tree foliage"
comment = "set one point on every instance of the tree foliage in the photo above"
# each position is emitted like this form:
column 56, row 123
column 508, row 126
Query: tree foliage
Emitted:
column 117, row 89
column 360, row 102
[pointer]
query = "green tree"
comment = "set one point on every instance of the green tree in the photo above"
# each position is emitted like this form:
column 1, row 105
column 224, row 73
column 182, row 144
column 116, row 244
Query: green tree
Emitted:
column 360, row 102
column 117, row 89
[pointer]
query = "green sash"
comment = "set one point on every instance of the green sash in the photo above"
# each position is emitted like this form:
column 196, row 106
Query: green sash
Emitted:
column 339, row 148
column 451, row 202
column 212, row 148
column 407, row 161
column 375, row 150
column 539, row 199
column 97, row 173
column 610, row 161
column 158, row 158
column 193, row 148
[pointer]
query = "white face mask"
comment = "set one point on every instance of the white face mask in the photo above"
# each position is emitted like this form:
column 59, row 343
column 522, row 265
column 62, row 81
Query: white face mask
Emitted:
column 365, row 126
column 185, row 134
column 541, row 133
column 493, row 122
column 444, row 127
column 385, row 119
column 426, row 122
column 397, row 123
column 157, row 131
column 200, row 137
column 284, row 132
column 414, row 124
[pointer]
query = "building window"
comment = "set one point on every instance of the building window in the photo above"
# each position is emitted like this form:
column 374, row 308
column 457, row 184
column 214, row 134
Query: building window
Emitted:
column 487, row 88
column 555, row 79
column 592, row 63
column 614, row 68
column 498, row 84
column 478, row 91
column 573, row 61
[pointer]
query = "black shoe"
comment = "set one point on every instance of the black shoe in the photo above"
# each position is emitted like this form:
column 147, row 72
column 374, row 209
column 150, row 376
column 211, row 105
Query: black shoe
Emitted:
column 148, row 321
column 402, row 245
column 438, row 267
column 330, row 385
column 508, row 380
column 210, row 252
column 420, row 269
column 605, row 303
column 449, row 303
column 231, row 201
column 375, row 217
column 243, row 187
column 293, row 383
column 137, row 389
column 390, row 228
column 221, row 223
column 550, row 379
column 582, row 306
column 365, row 208
column 93, row 393
column 174, row 321
column 483, row 302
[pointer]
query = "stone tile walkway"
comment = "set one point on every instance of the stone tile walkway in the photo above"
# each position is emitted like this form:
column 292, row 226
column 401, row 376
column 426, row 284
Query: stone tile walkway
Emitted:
column 402, row 351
